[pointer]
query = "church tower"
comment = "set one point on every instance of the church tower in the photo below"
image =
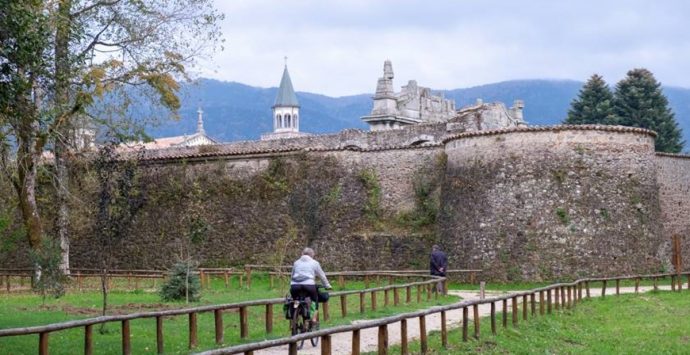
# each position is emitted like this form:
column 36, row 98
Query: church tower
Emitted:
column 286, row 115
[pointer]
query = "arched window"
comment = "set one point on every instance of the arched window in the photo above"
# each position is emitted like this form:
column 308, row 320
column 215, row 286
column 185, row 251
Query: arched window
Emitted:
column 287, row 120
column 278, row 120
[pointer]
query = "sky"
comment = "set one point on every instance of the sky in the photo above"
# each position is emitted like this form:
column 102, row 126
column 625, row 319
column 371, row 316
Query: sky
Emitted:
column 337, row 48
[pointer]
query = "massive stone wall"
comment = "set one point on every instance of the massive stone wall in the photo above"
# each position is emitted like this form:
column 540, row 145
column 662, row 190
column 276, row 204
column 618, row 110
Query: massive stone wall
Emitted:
column 524, row 203
column 544, row 204
column 673, row 175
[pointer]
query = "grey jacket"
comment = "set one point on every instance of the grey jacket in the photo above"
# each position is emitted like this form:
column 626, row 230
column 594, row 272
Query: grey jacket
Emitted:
column 305, row 270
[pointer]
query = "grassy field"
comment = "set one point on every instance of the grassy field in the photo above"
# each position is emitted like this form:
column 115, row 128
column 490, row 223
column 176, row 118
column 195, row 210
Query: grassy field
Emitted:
column 25, row 309
column 648, row 323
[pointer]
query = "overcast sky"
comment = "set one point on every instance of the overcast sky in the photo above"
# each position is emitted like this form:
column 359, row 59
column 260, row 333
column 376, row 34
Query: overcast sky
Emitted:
column 338, row 47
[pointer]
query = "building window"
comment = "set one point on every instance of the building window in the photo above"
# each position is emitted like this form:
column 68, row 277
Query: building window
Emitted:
column 287, row 120
column 278, row 120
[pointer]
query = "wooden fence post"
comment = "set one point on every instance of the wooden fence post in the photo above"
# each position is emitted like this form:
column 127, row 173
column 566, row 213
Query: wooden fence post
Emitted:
column 341, row 281
column 396, row 296
column 326, row 316
column 326, row 344
column 292, row 349
column 603, row 289
column 548, row 300
column 227, row 278
column 43, row 343
column 475, row 315
column 569, row 299
column 587, row 287
column 159, row 335
column 408, row 294
column 419, row 293
column 361, row 302
column 541, row 303
column 201, row 278
column 655, row 285
column 248, row 270
column 355, row 342
column 524, row 307
column 618, row 287
column 269, row 318
column 556, row 297
column 533, row 303
column 403, row 337
column 505, row 313
column 373, row 300
column 244, row 323
column 493, row 318
column 465, row 322
column 422, row 335
column 514, row 304
column 218, row 316
column 637, row 284
column 383, row 340
column 385, row 297
column 343, row 305
column 126, row 344
column 88, row 340
column 444, row 330
column 192, row 331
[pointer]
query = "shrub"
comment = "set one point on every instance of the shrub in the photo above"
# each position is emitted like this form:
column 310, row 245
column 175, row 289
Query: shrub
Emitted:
column 182, row 284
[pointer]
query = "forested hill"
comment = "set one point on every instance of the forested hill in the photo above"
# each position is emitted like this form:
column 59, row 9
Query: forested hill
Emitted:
column 235, row 111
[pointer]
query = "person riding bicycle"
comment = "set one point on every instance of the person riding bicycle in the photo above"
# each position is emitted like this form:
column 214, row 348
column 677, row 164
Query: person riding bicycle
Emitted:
column 303, row 281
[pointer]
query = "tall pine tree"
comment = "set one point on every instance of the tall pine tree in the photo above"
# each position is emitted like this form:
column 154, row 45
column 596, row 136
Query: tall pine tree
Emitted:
column 639, row 102
column 594, row 104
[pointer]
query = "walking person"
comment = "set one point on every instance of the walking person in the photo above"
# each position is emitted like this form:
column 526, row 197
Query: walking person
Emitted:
column 438, row 263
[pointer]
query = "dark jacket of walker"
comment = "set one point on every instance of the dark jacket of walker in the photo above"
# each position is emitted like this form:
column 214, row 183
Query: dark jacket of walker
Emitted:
column 438, row 261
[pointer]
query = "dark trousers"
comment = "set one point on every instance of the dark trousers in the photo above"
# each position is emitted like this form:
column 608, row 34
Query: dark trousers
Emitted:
column 303, row 291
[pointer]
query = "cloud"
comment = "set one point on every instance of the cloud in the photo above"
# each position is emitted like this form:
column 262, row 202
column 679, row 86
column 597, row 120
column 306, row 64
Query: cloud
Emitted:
column 338, row 47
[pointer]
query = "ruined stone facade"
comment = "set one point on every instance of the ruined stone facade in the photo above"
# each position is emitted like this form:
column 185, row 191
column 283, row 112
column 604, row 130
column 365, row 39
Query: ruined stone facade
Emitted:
column 413, row 105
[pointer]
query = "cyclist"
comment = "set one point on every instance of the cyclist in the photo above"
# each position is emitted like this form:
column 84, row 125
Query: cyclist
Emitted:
column 303, row 282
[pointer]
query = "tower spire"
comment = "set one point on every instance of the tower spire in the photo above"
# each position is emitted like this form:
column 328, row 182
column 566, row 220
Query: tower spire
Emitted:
column 200, row 121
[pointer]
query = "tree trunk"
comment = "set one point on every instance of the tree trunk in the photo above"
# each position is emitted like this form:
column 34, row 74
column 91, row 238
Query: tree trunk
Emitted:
column 62, row 139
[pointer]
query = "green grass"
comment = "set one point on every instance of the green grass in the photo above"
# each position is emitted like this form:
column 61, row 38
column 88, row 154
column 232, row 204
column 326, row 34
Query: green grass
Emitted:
column 18, row 310
column 647, row 323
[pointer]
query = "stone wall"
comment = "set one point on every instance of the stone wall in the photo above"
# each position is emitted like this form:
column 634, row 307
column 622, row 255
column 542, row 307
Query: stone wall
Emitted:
column 522, row 204
column 673, row 174
column 553, row 203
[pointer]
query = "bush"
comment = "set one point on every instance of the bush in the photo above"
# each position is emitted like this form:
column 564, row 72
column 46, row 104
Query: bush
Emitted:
column 183, row 284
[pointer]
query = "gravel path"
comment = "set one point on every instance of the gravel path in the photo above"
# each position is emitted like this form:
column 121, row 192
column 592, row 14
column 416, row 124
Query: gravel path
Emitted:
column 341, row 343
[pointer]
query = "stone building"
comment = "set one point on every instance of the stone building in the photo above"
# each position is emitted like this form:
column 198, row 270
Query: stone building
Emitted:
column 412, row 105
column 197, row 138
column 415, row 104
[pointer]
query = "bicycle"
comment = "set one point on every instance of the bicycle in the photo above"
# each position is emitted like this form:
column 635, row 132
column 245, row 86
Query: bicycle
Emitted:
column 300, row 318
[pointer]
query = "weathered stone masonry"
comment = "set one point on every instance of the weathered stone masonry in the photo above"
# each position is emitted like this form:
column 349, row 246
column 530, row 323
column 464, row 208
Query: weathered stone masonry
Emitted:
column 523, row 203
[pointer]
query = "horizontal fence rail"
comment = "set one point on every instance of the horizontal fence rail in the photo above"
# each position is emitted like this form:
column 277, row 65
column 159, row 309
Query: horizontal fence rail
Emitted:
column 565, row 295
column 267, row 304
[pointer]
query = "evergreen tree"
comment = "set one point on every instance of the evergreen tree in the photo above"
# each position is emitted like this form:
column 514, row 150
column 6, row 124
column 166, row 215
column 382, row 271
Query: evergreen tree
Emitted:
column 639, row 102
column 594, row 104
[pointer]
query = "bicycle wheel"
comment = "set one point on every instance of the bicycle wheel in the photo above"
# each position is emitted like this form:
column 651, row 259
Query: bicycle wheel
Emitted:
column 314, row 327
column 297, row 325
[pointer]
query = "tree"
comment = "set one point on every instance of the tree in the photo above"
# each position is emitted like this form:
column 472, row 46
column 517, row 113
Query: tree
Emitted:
column 593, row 105
column 67, row 61
column 24, row 68
column 640, row 102
column 120, row 199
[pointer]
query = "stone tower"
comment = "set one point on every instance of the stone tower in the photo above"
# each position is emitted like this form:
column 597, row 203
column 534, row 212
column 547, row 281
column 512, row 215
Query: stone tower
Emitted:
column 286, row 107
column 285, row 111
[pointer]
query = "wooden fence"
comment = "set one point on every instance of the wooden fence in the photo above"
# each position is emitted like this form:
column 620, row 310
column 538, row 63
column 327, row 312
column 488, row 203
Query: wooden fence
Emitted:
column 44, row 332
column 550, row 298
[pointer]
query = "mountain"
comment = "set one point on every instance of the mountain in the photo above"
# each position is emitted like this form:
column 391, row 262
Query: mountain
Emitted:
column 234, row 111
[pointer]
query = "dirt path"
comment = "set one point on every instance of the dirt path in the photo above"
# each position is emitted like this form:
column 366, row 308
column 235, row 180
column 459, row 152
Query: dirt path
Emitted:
column 341, row 343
